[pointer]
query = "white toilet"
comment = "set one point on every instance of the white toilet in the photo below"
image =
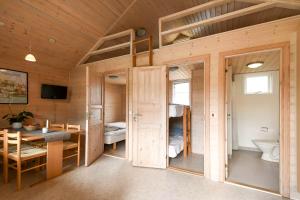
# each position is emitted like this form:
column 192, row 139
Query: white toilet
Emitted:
column 270, row 149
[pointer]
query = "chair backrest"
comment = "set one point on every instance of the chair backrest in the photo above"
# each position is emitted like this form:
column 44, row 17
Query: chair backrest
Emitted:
column 12, row 139
column 73, row 127
column 2, row 133
column 57, row 126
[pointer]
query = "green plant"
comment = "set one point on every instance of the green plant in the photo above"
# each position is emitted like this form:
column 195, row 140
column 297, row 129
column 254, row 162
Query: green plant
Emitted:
column 21, row 117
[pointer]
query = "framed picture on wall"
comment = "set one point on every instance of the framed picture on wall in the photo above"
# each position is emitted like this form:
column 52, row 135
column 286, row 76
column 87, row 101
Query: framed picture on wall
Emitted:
column 13, row 87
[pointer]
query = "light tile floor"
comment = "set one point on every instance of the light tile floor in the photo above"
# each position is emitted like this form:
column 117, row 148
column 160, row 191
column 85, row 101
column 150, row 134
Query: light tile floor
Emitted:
column 115, row 179
column 193, row 162
column 248, row 168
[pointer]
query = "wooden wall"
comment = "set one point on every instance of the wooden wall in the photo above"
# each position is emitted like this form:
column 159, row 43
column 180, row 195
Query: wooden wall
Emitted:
column 78, row 107
column 54, row 110
column 269, row 33
column 197, row 87
column 298, row 110
column 115, row 103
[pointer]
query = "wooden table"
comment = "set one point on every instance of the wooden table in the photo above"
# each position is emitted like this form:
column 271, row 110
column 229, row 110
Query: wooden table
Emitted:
column 54, row 152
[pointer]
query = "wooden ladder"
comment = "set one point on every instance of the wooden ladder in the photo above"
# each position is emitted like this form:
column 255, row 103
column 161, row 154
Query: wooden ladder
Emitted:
column 149, row 52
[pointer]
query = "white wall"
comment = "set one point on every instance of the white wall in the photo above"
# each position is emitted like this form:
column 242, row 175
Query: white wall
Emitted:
column 253, row 111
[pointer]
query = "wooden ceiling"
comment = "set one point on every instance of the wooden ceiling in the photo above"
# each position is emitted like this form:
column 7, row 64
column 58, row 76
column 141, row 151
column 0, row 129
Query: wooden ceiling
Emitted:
column 240, row 22
column 76, row 25
column 270, row 59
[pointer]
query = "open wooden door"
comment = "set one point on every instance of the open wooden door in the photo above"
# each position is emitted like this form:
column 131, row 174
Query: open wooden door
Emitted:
column 149, row 114
column 228, row 117
column 94, row 127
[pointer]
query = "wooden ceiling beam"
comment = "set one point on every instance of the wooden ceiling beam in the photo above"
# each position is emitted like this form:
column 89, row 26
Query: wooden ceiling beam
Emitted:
column 224, row 17
column 108, row 49
column 193, row 10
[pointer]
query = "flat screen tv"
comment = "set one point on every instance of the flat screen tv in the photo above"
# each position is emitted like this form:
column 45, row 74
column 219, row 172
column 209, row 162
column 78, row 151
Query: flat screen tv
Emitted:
column 53, row 92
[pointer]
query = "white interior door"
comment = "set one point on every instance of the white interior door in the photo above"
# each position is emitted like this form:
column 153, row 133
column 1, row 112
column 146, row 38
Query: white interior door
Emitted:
column 149, row 116
column 94, row 131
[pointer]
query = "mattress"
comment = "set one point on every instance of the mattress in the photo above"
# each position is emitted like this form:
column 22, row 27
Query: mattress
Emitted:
column 116, row 124
column 175, row 110
column 176, row 145
column 114, row 136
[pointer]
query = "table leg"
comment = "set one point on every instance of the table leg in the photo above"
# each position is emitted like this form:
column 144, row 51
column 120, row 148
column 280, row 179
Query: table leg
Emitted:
column 54, row 159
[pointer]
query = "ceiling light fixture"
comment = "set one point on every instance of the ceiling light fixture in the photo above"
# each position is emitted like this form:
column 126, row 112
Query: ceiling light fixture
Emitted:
column 172, row 69
column 255, row 65
column 140, row 32
column 52, row 40
column 2, row 23
column 30, row 57
column 113, row 76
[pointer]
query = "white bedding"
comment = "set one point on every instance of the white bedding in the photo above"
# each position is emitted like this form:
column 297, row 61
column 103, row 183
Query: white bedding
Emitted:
column 114, row 136
column 175, row 145
column 175, row 110
column 116, row 124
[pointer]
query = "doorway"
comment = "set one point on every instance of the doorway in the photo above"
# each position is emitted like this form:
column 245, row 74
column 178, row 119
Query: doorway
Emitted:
column 284, row 112
column 186, row 117
column 115, row 114
column 253, row 120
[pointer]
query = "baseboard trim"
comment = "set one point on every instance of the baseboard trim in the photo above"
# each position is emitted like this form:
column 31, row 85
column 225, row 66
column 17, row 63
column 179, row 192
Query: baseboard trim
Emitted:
column 248, row 149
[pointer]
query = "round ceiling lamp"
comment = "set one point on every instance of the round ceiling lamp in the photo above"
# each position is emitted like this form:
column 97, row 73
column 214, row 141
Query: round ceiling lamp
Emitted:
column 30, row 57
column 173, row 69
column 255, row 65
column 140, row 32
column 113, row 76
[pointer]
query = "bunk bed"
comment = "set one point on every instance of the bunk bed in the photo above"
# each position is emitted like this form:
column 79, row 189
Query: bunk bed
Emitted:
column 114, row 132
column 179, row 137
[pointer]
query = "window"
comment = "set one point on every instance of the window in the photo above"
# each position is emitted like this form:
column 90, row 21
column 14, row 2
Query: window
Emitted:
column 181, row 93
column 258, row 84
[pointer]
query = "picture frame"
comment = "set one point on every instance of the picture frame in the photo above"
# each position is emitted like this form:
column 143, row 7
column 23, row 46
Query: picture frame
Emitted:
column 13, row 87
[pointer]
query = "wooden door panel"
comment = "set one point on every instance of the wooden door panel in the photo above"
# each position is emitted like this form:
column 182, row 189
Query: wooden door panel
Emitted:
column 94, row 135
column 95, row 87
column 147, row 140
column 149, row 113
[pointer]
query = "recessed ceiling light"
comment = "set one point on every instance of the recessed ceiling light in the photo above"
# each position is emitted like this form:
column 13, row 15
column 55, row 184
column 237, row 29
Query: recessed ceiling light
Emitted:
column 172, row 69
column 255, row 65
column 113, row 76
column 52, row 40
column 2, row 23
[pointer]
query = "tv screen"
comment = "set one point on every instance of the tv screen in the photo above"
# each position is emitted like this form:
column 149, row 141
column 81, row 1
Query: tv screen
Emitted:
column 53, row 92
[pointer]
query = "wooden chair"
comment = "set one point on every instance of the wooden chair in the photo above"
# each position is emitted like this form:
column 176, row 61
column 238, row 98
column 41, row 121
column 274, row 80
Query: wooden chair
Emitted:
column 71, row 145
column 2, row 133
column 19, row 155
column 57, row 126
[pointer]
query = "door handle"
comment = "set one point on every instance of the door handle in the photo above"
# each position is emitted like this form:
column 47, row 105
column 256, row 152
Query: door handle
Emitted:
column 135, row 116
